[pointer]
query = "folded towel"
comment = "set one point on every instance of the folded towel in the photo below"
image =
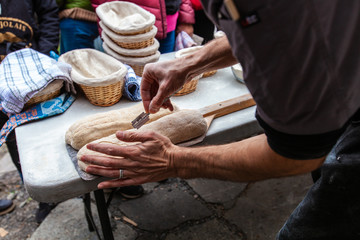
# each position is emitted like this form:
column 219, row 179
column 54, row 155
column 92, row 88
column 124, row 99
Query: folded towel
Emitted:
column 183, row 40
column 41, row 110
column 132, row 85
column 24, row 73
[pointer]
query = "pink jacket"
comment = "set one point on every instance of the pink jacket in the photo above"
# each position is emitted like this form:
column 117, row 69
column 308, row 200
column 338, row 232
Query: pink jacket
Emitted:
column 158, row 8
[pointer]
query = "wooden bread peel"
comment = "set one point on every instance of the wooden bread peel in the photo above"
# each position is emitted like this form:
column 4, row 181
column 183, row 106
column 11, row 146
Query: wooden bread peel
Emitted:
column 228, row 106
column 220, row 109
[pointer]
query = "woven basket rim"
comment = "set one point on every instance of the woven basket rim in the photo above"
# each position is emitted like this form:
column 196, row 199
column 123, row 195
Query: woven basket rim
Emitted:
column 141, row 52
column 128, row 38
column 132, row 60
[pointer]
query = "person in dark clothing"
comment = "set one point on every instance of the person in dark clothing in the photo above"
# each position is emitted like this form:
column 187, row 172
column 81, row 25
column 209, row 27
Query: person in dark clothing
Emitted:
column 27, row 24
column 301, row 65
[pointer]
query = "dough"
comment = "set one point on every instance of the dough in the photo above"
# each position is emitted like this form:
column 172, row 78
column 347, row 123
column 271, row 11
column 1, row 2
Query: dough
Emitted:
column 180, row 126
column 104, row 124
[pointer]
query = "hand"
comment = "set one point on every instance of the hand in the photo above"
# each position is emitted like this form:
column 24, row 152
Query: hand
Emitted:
column 149, row 159
column 186, row 27
column 159, row 81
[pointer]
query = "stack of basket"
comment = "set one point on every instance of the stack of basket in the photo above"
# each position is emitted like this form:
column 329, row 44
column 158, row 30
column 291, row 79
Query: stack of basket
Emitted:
column 128, row 34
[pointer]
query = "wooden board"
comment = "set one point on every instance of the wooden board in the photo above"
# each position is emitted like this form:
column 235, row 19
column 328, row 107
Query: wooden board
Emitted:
column 220, row 109
column 228, row 106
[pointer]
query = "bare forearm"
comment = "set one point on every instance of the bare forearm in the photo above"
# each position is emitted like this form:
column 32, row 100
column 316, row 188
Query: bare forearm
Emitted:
column 214, row 55
column 249, row 160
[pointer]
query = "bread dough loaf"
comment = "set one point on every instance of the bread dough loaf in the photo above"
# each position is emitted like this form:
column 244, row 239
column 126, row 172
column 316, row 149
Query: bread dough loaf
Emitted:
column 104, row 124
column 180, row 126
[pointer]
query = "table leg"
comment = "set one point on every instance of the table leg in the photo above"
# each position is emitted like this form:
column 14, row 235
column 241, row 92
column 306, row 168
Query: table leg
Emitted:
column 103, row 214
column 88, row 213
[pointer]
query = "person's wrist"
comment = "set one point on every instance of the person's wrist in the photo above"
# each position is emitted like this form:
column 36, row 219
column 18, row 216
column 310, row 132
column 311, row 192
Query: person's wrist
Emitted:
column 179, row 162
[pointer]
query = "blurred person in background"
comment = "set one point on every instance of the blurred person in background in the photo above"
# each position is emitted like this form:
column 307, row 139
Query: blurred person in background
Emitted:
column 171, row 16
column 78, row 25
column 27, row 24
column 203, row 26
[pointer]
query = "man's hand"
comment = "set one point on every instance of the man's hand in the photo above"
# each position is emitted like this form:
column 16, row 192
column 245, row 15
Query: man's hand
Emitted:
column 148, row 160
column 159, row 81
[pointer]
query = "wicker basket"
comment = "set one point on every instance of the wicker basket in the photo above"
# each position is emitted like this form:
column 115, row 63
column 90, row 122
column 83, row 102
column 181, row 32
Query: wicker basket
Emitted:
column 137, row 63
column 136, row 45
column 135, row 33
column 138, row 69
column 104, row 95
column 52, row 90
column 125, row 18
column 99, row 75
column 208, row 74
column 189, row 87
column 136, row 52
column 136, row 41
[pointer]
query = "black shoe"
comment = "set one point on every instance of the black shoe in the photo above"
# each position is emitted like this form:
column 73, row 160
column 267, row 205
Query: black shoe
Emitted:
column 43, row 210
column 6, row 206
column 131, row 192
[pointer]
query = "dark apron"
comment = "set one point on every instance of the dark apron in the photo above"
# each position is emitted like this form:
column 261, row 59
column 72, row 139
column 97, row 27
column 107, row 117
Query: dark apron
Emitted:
column 331, row 208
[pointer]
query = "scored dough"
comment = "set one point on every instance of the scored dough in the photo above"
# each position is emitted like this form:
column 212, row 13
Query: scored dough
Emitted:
column 180, row 126
column 104, row 124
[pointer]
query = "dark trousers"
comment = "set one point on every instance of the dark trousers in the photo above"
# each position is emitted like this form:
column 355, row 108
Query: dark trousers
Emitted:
column 203, row 27
column 331, row 208
column 11, row 144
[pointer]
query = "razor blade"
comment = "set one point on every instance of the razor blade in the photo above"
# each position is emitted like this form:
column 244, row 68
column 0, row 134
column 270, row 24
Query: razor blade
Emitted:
column 140, row 120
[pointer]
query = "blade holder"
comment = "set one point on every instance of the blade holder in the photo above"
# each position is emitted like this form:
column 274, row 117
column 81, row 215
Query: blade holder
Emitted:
column 140, row 120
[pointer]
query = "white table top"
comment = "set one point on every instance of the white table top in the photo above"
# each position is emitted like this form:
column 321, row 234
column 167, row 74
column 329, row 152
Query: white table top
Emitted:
column 50, row 176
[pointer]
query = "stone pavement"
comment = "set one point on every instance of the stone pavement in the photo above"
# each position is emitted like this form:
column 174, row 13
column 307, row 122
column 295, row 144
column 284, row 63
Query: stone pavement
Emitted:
column 186, row 209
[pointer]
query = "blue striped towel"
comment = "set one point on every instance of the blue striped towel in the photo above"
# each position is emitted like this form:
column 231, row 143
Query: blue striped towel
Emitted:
column 24, row 73
column 132, row 85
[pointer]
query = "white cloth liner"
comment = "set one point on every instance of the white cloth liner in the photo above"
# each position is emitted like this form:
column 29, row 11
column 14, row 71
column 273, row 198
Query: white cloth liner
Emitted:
column 141, row 52
column 139, row 61
column 125, row 17
column 128, row 38
column 93, row 68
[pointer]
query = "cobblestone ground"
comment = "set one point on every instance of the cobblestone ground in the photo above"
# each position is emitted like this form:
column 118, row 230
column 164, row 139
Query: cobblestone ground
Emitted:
column 20, row 223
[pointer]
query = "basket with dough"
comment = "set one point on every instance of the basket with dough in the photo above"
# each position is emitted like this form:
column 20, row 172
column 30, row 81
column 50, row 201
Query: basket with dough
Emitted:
column 143, row 52
column 99, row 75
column 137, row 63
column 51, row 91
column 138, row 41
column 125, row 18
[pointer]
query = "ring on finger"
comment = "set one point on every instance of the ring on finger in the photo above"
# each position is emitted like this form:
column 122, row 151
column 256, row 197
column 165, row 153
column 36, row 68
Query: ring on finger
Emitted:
column 121, row 172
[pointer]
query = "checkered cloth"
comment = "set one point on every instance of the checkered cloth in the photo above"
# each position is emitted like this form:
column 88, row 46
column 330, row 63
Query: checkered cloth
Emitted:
column 24, row 73
column 183, row 40
column 132, row 85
